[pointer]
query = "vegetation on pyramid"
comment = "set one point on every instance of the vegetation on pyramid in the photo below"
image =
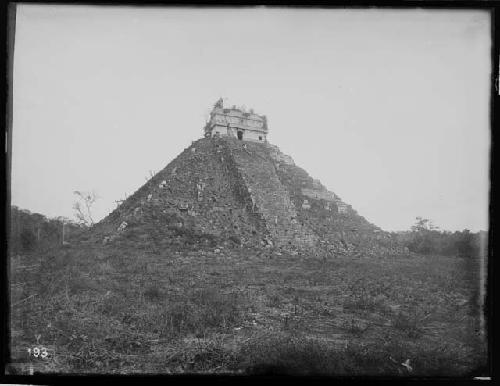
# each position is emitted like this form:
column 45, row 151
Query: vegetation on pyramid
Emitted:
column 234, row 188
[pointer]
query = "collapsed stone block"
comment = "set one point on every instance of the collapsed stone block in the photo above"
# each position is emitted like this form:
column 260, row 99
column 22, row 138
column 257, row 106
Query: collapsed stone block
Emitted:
column 341, row 207
column 318, row 194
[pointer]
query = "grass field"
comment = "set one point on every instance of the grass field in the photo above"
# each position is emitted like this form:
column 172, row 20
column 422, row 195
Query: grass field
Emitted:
column 105, row 309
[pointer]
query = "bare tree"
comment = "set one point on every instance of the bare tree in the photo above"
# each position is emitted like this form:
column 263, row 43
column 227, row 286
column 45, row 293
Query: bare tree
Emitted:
column 83, row 206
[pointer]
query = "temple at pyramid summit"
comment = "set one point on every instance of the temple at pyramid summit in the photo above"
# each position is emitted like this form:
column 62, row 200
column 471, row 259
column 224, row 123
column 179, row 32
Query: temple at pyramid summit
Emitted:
column 233, row 188
column 236, row 123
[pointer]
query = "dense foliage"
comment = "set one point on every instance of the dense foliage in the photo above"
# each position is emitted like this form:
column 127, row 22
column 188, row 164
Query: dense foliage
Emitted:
column 427, row 239
column 33, row 231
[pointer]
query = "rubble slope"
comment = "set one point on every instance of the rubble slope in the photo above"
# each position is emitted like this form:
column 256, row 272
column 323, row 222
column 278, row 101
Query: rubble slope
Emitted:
column 221, row 190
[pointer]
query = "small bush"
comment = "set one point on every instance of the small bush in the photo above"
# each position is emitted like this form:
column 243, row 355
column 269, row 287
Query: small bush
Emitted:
column 409, row 323
column 235, row 239
column 355, row 327
column 199, row 313
column 113, row 305
column 274, row 301
column 179, row 319
column 204, row 356
column 127, row 343
column 365, row 295
column 288, row 355
column 152, row 294
column 79, row 284
column 218, row 309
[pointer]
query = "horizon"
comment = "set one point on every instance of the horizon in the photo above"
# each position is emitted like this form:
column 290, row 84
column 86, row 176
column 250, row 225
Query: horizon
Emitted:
column 117, row 92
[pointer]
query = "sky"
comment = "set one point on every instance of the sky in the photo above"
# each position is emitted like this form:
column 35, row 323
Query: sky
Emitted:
column 389, row 109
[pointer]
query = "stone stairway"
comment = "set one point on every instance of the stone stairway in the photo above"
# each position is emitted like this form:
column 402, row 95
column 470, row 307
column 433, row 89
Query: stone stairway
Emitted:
column 269, row 197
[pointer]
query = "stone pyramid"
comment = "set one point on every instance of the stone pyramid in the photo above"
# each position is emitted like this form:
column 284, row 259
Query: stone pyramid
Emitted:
column 225, row 191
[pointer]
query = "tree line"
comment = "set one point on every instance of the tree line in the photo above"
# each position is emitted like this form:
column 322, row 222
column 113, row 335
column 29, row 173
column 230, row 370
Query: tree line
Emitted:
column 30, row 232
column 427, row 239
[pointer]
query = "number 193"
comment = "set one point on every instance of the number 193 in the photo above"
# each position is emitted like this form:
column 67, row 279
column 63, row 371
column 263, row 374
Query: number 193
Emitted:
column 38, row 352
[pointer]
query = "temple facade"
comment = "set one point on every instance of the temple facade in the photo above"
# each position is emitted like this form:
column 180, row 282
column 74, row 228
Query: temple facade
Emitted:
column 236, row 122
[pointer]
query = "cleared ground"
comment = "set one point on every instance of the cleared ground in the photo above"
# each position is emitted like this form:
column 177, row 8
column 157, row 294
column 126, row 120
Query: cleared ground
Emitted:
column 114, row 309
